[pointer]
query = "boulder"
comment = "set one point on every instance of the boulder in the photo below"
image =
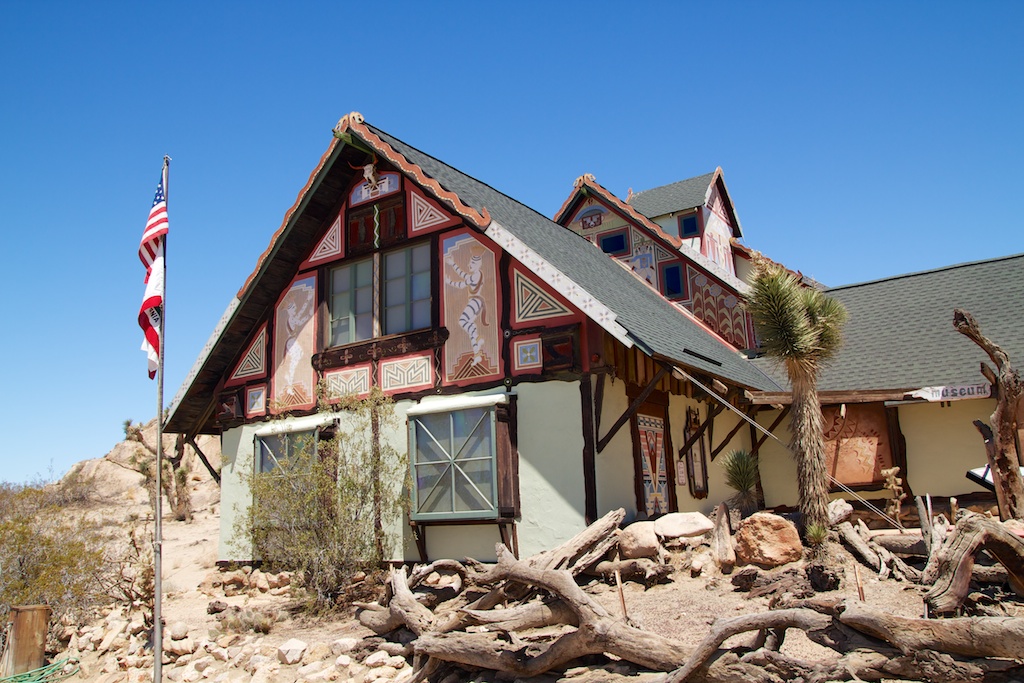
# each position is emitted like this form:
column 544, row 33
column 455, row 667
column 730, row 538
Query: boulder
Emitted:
column 179, row 648
column 317, row 652
column 768, row 540
column 177, row 630
column 343, row 645
column 639, row 540
column 291, row 651
column 378, row 658
column 682, row 525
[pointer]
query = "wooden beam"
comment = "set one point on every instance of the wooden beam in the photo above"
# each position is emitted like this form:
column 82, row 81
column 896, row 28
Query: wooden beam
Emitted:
column 828, row 397
column 728, row 437
column 202, row 456
column 712, row 412
column 633, row 407
column 778, row 420
column 589, row 457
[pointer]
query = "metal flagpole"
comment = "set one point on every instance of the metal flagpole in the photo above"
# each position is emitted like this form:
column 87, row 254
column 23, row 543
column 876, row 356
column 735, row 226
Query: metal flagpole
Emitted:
column 158, row 627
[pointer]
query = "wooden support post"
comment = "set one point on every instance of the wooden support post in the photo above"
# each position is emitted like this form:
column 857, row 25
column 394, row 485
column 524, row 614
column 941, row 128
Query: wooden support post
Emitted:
column 633, row 407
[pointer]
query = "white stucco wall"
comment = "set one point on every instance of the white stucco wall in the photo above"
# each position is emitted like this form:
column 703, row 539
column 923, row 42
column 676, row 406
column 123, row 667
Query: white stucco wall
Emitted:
column 942, row 444
column 550, row 447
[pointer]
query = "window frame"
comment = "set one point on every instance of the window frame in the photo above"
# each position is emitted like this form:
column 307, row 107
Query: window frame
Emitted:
column 623, row 233
column 499, row 413
column 664, row 281
column 378, row 294
column 683, row 233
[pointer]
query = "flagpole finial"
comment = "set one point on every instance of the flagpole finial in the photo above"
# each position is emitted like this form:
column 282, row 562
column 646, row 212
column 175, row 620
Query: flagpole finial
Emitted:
column 167, row 159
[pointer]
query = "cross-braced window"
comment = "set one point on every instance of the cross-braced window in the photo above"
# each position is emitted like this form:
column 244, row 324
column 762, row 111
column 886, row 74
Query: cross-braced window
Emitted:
column 284, row 451
column 453, row 463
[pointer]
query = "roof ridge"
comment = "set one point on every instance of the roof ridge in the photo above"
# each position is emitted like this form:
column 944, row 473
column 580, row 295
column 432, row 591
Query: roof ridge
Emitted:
column 904, row 276
column 676, row 182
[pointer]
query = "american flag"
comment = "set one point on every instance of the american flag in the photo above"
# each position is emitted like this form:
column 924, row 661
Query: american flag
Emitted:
column 151, row 252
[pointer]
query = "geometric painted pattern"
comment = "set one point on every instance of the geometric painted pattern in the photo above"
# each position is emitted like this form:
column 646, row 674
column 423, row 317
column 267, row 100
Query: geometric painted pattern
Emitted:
column 402, row 374
column 349, row 381
column 256, row 400
column 653, row 471
column 540, row 267
column 526, row 355
column 330, row 245
column 254, row 362
column 425, row 215
column 719, row 308
column 533, row 303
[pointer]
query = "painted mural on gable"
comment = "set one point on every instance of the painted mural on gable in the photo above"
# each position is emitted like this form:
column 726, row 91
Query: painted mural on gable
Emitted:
column 717, row 232
column 294, row 344
column 471, row 311
column 720, row 309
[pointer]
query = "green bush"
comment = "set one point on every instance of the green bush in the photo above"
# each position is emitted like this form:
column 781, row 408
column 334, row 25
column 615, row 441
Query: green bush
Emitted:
column 321, row 511
column 47, row 557
column 741, row 474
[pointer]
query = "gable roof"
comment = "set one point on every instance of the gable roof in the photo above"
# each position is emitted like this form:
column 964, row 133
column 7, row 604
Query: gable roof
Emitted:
column 599, row 286
column 587, row 185
column 684, row 195
column 900, row 332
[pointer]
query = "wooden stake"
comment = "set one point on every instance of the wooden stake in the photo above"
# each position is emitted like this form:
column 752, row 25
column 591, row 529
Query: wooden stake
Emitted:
column 618, row 584
column 860, row 586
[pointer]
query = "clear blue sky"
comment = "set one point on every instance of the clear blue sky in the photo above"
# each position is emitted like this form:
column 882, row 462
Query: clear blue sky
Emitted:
column 858, row 141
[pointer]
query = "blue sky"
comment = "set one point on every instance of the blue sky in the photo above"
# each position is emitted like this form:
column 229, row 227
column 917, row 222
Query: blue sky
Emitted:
column 858, row 141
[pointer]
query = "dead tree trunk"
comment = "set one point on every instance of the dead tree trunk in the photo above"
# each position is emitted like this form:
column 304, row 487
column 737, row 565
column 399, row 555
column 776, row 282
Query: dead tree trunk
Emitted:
column 951, row 565
column 1000, row 444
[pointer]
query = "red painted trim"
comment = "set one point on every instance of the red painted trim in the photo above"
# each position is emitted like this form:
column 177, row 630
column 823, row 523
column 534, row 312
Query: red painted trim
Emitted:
column 451, row 221
column 354, row 124
column 229, row 382
column 574, row 314
column 266, row 400
column 429, row 384
column 368, row 367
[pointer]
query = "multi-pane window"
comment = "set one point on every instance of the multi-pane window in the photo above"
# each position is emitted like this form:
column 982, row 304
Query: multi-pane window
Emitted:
column 351, row 305
column 406, row 286
column 404, row 299
column 276, row 451
column 454, row 468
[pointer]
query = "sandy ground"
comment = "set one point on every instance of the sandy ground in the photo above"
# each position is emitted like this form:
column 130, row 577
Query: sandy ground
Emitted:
column 683, row 607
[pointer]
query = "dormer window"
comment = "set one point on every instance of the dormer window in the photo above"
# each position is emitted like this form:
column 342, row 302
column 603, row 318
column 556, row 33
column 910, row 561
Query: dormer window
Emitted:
column 688, row 225
column 614, row 243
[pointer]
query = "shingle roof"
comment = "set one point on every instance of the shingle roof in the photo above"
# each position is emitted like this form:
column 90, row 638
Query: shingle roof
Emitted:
column 900, row 331
column 654, row 323
column 678, row 196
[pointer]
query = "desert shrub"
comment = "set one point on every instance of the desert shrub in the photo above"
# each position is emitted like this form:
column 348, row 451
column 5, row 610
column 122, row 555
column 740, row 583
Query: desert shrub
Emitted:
column 320, row 512
column 47, row 557
column 173, row 477
column 741, row 474
column 242, row 620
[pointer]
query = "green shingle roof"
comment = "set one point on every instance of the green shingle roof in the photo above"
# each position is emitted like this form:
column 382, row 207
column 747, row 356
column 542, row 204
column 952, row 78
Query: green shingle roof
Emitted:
column 900, row 331
column 679, row 196
column 655, row 324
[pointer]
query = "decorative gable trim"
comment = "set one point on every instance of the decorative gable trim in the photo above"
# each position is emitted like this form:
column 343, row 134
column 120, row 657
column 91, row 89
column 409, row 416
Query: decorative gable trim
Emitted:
column 355, row 123
column 254, row 361
column 330, row 246
column 426, row 216
column 575, row 294
column 532, row 303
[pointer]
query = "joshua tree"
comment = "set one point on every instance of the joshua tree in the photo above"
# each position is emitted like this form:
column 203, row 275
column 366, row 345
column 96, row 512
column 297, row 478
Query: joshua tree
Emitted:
column 800, row 328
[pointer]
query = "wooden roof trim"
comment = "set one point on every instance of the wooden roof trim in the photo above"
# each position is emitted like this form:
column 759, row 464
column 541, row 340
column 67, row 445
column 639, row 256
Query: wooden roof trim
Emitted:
column 355, row 123
column 737, row 230
column 828, row 397
column 289, row 214
column 588, row 182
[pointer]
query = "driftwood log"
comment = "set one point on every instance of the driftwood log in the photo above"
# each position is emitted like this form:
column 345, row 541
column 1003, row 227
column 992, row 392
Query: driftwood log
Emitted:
column 1000, row 437
column 508, row 603
column 951, row 568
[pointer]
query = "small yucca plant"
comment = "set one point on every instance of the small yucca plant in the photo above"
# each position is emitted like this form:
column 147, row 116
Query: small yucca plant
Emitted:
column 741, row 474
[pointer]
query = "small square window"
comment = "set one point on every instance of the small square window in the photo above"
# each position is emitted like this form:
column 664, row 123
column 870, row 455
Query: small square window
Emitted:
column 672, row 281
column 614, row 243
column 688, row 226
